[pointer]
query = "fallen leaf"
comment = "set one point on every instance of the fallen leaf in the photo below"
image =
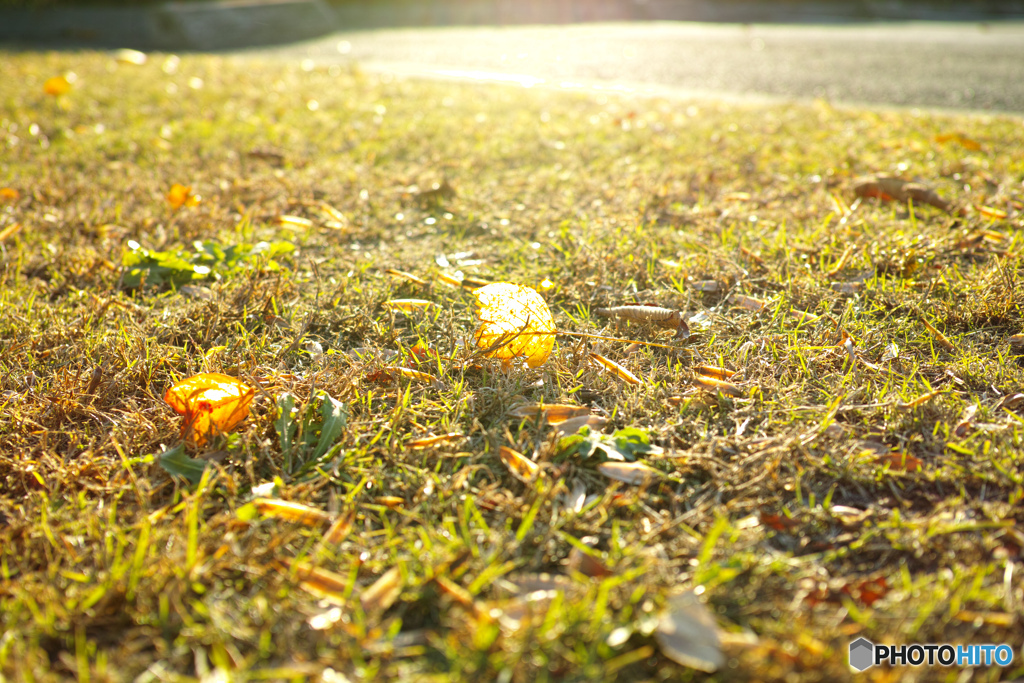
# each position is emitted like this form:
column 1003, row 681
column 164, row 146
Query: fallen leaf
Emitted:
column 341, row 528
column 587, row 564
column 920, row 400
column 287, row 221
column 57, row 86
column 939, row 337
column 515, row 323
column 413, row 374
column 959, row 138
column 714, row 372
column 291, row 512
column 383, row 592
column 688, row 634
column 966, row 423
column 9, row 194
column 406, row 276
column 992, row 213
column 573, row 425
column 901, row 461
column 897, row 189
column 407, row 305
column 549, row 413
column 428, row 441
column 1010, row 401
column 713, row 385
column 10, row 231
column 705, row 285
column 633, row 473
column 521, row 467
column 212, row 404
column 181, row 195
column 616, row 369
column 778, row 522
column 322, row 583
column 128, row 56
column 748, row 302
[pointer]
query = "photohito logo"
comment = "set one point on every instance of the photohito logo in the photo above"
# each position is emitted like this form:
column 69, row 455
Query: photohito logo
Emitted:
column 864, row 654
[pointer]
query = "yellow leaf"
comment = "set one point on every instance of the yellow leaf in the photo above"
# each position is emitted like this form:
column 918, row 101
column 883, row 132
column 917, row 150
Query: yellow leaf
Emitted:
column 9, row 194
column 407, row 276
column 10, row 231
column 521, row 467
column 287, row 221
column 407, row 305
column 181, row 195
column 127, row 56
column 616, row 369
column 428, row 441
column 550, row 413
column 291, row 512
column 57, row 86
column 212, row 404
column 712, row 384
column 515, row 323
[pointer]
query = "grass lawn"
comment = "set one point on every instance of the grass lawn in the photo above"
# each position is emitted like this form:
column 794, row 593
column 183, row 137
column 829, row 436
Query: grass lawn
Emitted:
column 860, row 475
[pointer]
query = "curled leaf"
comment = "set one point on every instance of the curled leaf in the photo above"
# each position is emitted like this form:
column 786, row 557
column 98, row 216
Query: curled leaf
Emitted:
column 550, row 413
column 688, row 634
column 634, row 473
column 515, row 323
column 897, row 189
column 212, row 403
column 616, row 369
column 291, row 512
column 521, row 467
column 407, row 305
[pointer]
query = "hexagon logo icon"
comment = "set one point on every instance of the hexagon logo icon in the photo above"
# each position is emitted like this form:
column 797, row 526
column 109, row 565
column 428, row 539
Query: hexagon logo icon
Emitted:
column 862, row 654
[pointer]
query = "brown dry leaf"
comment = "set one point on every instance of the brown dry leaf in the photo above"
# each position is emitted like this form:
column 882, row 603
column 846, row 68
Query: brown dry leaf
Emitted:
column 595, row 422
column 841, row 263
column 549, row 413
column 181, row 195
column 515, row 323
column 705, row 285
column 428, row 441
column 803, row 316
column 521, row 467
column 747, row 302
column 212, row 404
column 714, row 372
column 920, row 400
column 10, row 231
column 407, row 305
column 322, row 583
column 897, row 189
column 712, row 384
column 900, row 460
column 847, row 287
column 383, row 592
column 939, row 337
column 392, row 502
column 292, row 512
column 1010, row 401
column 688, row 634
column 616, row 369
column 633, row 473
column 587, row 564
column 663, row 317
column 966, row 423
column 406, row 276
column 341, row 528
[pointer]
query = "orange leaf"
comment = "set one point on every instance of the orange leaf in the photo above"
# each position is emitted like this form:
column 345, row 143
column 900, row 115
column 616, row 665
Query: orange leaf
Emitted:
column 515, row 323
column 181, row 195
column 212, row 404
column 57, row 86
column 900, row 460
column 291, row 512
column 616, row 369
column 9, row 194
column 521, row 467
column 550, row 413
